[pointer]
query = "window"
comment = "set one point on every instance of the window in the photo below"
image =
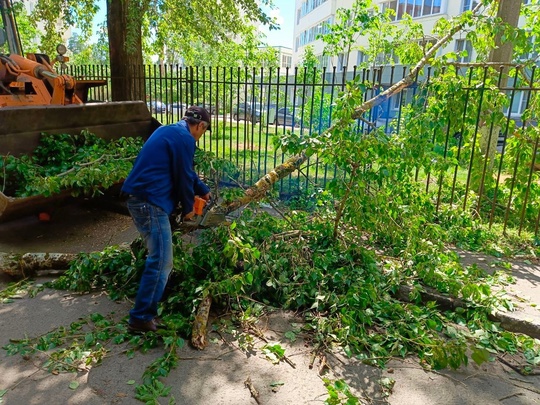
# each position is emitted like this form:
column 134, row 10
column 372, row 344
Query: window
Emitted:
column 396, row 101
column 360, row 58
column 519, row 103
column 308, row 6
column 464, row 45
column 310, row 34
column 324, row 61
column 414, row 8
column 286, row 61
column 469, row 5
column 341, row 61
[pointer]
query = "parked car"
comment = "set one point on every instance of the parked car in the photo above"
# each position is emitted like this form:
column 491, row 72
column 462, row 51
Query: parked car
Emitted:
column 246, row 112
column 156, row 106
column 287, row 116
column 177, row 109
column 209, row 107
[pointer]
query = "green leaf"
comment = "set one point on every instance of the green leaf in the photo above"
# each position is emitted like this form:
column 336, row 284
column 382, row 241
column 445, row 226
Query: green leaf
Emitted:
column 73, row 385
column 89, row 339
column 480, row 355
column 290, row 335
column 131, row 382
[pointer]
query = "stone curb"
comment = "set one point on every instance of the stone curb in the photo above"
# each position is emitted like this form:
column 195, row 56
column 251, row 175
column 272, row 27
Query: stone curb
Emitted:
column 508, row 320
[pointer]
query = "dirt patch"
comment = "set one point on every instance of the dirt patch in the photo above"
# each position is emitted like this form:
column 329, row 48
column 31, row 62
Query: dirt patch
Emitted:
column 73, row 228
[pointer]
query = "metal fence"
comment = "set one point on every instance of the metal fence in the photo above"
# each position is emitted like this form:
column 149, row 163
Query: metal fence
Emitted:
column 250, row 106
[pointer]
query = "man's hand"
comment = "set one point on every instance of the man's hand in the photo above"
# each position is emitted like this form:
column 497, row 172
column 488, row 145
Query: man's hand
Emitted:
column 188, row 217
column 207, row 196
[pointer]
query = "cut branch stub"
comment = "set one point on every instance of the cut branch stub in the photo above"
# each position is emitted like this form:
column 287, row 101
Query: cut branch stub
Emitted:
column 199, row 340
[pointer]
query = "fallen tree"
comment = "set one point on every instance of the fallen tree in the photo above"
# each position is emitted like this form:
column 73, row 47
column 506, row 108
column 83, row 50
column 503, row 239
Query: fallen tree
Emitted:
column 260, row 189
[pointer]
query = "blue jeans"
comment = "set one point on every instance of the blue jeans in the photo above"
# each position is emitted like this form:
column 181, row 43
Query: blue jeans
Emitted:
column 154, row 226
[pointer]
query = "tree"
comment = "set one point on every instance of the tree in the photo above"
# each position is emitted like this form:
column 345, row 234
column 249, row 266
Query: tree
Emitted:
column 27, row 30
column 362, row 19
column 342, row 36
column 56, row 16
column 130, row 22
column 205, row 21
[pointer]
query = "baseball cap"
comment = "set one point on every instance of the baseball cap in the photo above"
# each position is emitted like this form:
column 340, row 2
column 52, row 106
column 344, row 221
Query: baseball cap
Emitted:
column 198, row 113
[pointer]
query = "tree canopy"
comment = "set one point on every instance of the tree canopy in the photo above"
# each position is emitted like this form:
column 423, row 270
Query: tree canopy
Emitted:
column 168, row 28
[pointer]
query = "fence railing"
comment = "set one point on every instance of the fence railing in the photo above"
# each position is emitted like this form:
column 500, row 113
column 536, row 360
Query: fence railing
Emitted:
column 250, row 106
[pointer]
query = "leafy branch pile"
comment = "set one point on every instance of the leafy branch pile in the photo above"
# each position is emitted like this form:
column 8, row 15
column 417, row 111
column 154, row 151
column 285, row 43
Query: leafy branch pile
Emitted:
column 83, row 163
column 346, row 292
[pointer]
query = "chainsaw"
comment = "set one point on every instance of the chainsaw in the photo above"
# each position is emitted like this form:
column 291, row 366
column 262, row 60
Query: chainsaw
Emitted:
column 204, row 216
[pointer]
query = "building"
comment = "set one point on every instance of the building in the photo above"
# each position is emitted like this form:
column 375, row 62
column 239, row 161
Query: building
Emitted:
column 285, row 56
column 311, row 16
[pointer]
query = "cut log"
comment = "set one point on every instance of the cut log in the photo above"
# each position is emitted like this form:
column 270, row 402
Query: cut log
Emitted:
column 29, row 264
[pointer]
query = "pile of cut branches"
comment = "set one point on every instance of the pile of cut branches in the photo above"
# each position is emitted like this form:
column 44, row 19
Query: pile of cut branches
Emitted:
column 83, row 163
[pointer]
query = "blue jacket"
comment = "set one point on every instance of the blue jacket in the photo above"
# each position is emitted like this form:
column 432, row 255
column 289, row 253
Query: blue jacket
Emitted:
column 163, row 172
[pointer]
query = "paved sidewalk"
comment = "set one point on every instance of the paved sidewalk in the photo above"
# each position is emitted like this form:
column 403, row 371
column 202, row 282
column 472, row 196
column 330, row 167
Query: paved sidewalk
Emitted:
column 525, row 292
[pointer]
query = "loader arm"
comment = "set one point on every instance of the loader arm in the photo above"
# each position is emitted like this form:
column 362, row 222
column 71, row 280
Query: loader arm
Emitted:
column 32, row 83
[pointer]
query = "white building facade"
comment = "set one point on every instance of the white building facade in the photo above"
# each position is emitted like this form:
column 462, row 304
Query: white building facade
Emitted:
column 312, row 14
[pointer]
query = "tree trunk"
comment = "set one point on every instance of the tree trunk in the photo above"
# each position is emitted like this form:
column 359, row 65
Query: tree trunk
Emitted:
column 124, row 22
column 508, row 12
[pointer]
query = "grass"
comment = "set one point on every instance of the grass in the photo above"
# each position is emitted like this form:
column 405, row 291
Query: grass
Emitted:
column 250, row 147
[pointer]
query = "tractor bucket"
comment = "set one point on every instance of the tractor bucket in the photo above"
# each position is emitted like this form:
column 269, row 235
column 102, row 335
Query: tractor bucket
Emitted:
column 21, row 127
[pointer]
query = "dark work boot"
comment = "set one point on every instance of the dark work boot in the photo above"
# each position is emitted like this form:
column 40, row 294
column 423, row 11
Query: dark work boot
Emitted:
column 137, row 326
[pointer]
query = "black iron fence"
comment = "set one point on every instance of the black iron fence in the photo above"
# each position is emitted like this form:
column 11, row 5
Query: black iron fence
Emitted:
column 486, row 132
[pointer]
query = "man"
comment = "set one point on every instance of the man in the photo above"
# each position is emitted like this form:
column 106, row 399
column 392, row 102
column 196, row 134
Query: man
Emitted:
column 162, row 177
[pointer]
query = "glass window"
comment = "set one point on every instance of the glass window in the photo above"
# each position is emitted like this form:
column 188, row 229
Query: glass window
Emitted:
column 417, row 11
column 309, row 5
column 341, row 61
column 428, row 6
column 414, row 8
column 519, row 103
column 360, row 58
column 401, row 9
column 469, row 5
column 409, row 9
column 461, row 46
